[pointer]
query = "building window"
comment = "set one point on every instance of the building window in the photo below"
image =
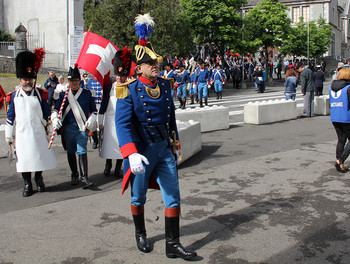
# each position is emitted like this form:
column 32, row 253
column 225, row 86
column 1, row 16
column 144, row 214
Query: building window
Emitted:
column 295, row 15
column 306, row 13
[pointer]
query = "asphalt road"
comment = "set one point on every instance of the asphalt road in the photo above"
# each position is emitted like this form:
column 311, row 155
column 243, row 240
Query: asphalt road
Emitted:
column 254, row 194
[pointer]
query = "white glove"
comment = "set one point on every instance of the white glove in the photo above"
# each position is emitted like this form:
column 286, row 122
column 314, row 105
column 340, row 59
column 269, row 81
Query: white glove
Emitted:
column 56, row 122
column 194, row 86
column 9, row 134
column 136, row 165
column 177, row 157
column 100, row 121
column 91, row 123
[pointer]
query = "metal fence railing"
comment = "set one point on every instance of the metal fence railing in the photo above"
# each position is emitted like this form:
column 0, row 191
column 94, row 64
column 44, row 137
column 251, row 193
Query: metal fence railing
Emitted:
column 7, row 49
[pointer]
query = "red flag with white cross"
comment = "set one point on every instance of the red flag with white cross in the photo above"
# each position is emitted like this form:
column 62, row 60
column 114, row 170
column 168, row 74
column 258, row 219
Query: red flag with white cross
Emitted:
column 96, row 57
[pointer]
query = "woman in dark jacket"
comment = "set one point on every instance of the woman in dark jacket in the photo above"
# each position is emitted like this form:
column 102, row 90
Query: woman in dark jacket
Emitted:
column 339, row 102
column 319, row 79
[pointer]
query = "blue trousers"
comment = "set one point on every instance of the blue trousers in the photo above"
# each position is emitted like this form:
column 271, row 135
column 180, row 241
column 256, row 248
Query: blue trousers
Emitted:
column 173, row 93
column 202, row 90
column 76, row 141
column 218, row 86
column 193, row 91
column 182, row 91
column 162, row 166
column 50, row 96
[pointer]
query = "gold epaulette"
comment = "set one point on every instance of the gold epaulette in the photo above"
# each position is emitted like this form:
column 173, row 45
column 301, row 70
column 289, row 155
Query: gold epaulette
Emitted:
column 122, row 90
column 171, row 81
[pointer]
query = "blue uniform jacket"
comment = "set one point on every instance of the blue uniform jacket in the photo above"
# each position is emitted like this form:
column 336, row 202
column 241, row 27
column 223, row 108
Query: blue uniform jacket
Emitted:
column 137, row 114
column 95, row 86
column 218, row 75
column 174, row 75
column 185, row 78
column 11, row 115
column 105, row 99
column 86, row 102
column 202, row 75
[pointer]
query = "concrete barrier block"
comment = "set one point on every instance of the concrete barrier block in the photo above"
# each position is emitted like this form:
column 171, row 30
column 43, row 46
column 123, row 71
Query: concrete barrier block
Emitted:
column 321, row 105
column 190, row 138
column 211, row 118
column 271, row 111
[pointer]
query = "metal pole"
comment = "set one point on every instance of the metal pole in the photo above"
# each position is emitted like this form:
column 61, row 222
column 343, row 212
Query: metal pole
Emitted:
column 308, row 41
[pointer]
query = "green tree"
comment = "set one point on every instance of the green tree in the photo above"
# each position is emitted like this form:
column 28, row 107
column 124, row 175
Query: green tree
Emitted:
column 4, row 36
column 267, row 24
column 215, row 22
column 114, row 20
column 320, row 34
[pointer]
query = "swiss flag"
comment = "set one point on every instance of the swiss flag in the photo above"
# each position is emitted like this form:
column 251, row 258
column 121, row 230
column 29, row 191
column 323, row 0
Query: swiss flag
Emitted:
column 96, row 57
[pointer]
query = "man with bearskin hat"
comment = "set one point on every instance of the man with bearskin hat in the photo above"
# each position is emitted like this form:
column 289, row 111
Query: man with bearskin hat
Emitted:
column 147, row 134
column 29, row 108
column 109, row 148
column 79, row 116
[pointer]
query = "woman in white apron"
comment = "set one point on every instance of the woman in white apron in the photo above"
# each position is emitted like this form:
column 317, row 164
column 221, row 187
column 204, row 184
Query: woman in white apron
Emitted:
column 31, row 112
column 109, row 148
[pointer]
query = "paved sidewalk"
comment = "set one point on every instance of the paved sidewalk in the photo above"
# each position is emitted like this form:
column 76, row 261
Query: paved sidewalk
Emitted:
column 286, row 207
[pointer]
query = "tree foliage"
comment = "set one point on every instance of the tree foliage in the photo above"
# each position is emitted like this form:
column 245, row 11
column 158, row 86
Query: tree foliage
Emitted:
column 320, row 34
column 4, row 36
column 267, row 24
column 114, row 20
column 215, row 22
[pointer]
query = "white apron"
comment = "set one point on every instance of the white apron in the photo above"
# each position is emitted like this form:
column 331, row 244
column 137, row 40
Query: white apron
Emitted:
column 110, row 145
column 31, row 141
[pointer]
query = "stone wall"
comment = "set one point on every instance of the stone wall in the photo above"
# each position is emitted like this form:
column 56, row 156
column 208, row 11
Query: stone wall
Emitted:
column 7, row 65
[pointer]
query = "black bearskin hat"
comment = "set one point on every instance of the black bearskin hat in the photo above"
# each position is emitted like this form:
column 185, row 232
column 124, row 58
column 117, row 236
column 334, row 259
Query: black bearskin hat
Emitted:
column 25, row 62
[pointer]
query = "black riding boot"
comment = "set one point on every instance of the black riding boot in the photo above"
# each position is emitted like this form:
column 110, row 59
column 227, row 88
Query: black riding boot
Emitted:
column 108, row 167
column 72, row 161
column 83, row 165
column 217, row 95
column 206, row 101
column 140, row 230
column 180, row 101
column 28, row 187
column 184, row 104
column 192, row 100
column 200, row 103
column 220, row 95
column 118, row 169
column 95, row 138
column 38, row 178
column 173, row 247
column 197, row 100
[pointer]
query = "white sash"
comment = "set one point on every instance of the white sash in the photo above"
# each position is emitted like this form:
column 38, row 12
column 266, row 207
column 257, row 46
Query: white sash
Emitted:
column 78, row 113
column 217, row 72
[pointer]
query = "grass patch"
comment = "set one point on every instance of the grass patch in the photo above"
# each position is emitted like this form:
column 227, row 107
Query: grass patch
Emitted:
column 9, row 81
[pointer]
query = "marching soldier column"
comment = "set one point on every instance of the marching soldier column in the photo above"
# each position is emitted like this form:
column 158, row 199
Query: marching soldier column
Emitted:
column 145, row 121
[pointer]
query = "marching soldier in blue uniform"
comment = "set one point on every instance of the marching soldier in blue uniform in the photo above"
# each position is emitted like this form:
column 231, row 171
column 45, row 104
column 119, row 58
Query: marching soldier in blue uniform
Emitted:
column 28, row 114
column 182, row 89
column 202, row 79
column 169, row 73
column 219, row 78
column 193, row 86
column 146, row 129
column 109, row 145
column 79, row 116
